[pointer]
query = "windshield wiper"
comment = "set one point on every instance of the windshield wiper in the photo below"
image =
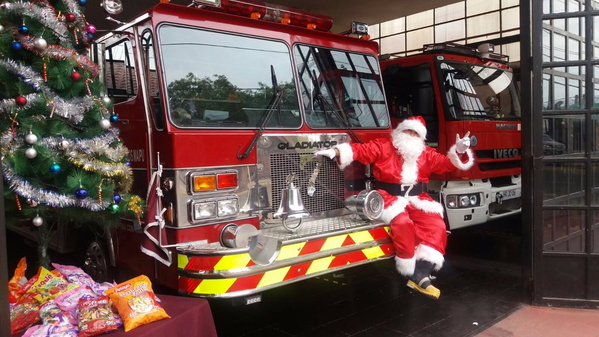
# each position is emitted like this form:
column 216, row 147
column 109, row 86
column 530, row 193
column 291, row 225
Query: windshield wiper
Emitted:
column 274, row 104
column 328, row 107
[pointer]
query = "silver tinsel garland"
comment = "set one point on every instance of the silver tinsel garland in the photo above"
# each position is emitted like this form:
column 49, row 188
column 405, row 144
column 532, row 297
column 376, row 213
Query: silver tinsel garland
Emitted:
column 73, row 109
column 23, row 188
column 94, row 147
column 44, row 14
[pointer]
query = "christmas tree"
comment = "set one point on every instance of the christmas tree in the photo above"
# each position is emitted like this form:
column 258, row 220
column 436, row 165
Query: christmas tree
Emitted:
column 62, row 160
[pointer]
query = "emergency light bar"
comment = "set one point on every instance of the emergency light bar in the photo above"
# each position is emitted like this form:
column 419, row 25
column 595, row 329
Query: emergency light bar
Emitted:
column 485, row 51
column 264, row 11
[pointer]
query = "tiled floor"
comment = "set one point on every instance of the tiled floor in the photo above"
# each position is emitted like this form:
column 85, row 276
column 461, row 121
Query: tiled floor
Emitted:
column 373, row 301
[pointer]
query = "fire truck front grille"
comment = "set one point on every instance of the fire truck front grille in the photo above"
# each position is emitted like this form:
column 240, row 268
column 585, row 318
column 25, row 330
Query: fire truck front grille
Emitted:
column 329, row 183
column 500, row 165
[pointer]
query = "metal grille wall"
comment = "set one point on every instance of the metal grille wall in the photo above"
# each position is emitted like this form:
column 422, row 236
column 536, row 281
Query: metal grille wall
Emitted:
column 329, row 183
column 565, row 150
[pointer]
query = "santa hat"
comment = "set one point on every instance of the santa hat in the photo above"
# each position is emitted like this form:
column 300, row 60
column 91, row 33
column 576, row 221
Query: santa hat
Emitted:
column 415, row 123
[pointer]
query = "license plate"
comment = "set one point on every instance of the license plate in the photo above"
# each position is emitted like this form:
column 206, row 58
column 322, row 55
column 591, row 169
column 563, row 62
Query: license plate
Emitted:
column 510, row 194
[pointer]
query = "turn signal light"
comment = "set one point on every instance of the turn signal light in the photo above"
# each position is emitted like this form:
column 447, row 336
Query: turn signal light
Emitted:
column 204, row 183
column 227, row 181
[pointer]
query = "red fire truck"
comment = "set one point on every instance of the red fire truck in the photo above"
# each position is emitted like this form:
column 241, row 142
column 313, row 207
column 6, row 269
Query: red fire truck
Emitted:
column 228, row 104
column 471, row 90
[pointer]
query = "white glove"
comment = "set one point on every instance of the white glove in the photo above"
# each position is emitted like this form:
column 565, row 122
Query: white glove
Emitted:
column 462, row 144
column 329, row 153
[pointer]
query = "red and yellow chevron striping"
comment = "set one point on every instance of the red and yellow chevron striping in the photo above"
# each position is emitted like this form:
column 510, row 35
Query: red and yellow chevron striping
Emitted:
column 196, row 263
column 243, row 285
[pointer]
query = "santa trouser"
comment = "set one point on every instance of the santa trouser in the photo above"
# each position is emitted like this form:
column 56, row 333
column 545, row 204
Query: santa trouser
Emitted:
column 418, row 235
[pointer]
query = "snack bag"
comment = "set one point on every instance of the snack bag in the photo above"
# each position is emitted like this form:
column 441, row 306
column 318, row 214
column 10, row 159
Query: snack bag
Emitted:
column 136, row 302
column 51, row 331
column 69, row 302
column 17, row 281
column 48, row 286
column 95, row 317
column 51, row 314
column 24, row 314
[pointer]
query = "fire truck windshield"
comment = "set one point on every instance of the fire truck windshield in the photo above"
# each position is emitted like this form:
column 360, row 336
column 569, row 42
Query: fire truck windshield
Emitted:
column 340, row 89
column 218, row 80
column 477, row 92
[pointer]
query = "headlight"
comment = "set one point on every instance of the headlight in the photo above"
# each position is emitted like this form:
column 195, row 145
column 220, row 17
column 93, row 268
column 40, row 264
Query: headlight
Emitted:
column 228, row 207
column 463, row 200
column 204, row 210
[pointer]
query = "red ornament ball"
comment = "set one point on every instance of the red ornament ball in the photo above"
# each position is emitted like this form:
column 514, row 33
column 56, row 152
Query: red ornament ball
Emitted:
column 21, row 101
column 71, row 17
column 76, row 76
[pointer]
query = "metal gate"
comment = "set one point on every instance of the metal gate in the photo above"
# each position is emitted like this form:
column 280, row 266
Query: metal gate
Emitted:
column 562, row 148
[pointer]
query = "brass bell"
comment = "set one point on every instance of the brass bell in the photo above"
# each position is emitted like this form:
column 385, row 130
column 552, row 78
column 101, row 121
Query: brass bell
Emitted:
column 291, row 206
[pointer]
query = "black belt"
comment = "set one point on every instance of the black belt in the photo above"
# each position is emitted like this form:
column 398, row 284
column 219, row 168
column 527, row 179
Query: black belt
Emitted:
column 400, row 189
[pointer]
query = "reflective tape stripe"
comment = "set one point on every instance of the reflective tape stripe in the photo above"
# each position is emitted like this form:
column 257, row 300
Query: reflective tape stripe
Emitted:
column 333, row 242
column 320, row 265
column 273, row 276
column 230, row 262
column 361, row 237
column 182, row 261
column 214, row 287
column 373, row 252
column 290, row 251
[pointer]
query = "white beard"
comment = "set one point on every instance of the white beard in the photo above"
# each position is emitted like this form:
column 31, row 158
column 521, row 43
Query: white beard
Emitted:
column 410, row 148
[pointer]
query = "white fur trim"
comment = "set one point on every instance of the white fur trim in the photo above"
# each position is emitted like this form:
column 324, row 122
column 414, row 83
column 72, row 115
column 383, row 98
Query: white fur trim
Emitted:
column 430, row 254
column 395, row 209
column 346, row 155
column 452, row 154
column 409, row 172
column 412, row 124
column 427, row 206
column 405, row 267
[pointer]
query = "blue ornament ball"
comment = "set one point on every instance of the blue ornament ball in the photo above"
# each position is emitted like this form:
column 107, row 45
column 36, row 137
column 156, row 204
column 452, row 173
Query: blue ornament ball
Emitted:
column 24, row 30
column 81, row 193
column 114, row 118
column 55, row 169
column 83, row 2
column 117, row 199
column 90, row 36
column 17, row 46
column 128, row 164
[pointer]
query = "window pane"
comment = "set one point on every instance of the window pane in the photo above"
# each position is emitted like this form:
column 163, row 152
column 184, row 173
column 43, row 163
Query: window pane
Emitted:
column 546, row 6
column 558, row 6
column 563, row 231
column 546, row 45
column 574, row 26
column 512, row 50
column 575, row 5
column 393, row 44
column 449, row 12
column 510, row 18
column 419, row 20
column 564, row 135
column 595, row 187
column 508, row 3
column 595, row 4
column 373, row 31
column 226, row 81
column 595, row 233
column 559, row 47
column 564, row 184
column 484, row 24
column 484, row 38
column 595, row 40
column 474, row 7
column 450, row 31
column 595, row 136
column 418, row 38
column 574, row 49
column 595, row 86
column 393, row 26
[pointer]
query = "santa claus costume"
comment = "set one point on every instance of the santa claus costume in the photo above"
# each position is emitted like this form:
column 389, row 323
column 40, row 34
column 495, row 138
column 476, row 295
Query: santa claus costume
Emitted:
column 400, row 166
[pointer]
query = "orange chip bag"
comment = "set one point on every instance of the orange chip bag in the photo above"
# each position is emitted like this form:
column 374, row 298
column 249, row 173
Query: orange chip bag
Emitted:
column 17, row 281
column 136, row 302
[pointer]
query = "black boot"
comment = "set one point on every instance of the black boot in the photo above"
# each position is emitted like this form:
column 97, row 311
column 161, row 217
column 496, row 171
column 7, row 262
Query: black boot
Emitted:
column 421, row 279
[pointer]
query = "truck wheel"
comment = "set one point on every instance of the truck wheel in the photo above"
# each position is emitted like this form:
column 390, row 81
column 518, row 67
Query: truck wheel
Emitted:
column 95, row 263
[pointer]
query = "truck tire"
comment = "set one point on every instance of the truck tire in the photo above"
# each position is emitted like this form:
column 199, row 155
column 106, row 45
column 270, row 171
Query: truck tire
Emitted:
column 95, row 262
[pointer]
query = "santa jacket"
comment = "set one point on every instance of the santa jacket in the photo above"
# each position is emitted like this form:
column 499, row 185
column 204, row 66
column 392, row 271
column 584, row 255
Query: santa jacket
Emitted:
column 389, row 166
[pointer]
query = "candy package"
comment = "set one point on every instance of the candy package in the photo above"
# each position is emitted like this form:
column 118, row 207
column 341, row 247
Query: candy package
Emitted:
column 51, row 314
column 51, row 331
column 24, row 314
column 69, row 302
column 48, row 286
column 96, row 317
column 17, row 281
column 136, row 302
